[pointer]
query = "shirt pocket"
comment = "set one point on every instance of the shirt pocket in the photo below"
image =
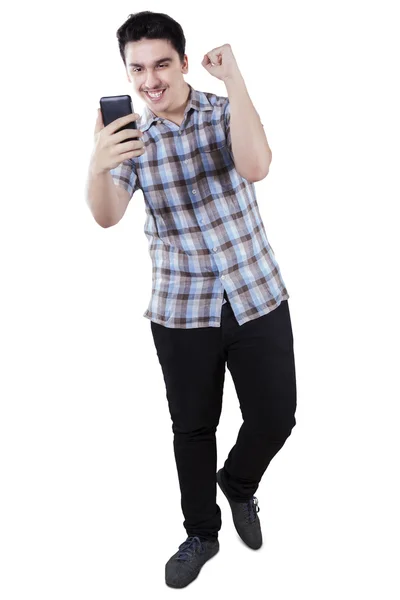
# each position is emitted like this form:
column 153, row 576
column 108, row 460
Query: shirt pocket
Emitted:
column 214, row 145
column 217, row 163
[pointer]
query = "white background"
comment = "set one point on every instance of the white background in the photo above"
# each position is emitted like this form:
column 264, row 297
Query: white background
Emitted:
column 90, row 502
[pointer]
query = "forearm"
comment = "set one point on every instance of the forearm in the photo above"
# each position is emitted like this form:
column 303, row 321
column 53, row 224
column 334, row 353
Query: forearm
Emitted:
column 102, row 197
column 251, row 152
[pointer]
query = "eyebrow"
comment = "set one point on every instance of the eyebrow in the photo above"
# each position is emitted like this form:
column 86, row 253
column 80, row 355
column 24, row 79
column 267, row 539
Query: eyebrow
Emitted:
column 166, row 59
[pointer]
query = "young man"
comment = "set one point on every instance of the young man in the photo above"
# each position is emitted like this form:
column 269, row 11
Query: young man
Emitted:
column 218, row 297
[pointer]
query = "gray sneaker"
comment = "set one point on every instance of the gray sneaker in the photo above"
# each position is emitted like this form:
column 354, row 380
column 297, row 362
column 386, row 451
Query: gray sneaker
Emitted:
column 184, row 566
column 245, row 517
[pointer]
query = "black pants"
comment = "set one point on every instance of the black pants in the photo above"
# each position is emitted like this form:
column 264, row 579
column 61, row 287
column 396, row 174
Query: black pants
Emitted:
column 260, row 357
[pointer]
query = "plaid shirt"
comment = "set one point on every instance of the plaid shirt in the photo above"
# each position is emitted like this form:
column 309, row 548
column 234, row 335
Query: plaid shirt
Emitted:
column 203, row 223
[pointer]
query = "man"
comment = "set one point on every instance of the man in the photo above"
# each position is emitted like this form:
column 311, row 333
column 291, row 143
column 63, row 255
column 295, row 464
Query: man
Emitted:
column 218, row 297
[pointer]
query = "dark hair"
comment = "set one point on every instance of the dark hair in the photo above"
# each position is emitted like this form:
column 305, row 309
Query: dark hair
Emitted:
column 151, row 25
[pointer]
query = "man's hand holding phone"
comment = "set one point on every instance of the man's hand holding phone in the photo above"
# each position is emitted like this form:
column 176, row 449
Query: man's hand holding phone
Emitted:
column 111, row 147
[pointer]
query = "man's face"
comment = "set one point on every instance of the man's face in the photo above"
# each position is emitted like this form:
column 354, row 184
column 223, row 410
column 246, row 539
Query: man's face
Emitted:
column 154, row 65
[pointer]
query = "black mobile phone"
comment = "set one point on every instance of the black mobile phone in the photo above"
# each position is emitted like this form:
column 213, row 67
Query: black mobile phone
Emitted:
column 114, row 107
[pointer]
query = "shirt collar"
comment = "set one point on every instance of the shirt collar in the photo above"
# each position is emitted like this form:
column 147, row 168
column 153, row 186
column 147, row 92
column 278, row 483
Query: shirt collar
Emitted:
column 197, row 100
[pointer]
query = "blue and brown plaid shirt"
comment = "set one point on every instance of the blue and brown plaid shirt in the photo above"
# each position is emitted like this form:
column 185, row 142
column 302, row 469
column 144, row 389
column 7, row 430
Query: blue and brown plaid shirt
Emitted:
column 203, row 223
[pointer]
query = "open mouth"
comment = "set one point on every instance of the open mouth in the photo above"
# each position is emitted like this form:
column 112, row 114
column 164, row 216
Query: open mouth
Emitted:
column 155, row 97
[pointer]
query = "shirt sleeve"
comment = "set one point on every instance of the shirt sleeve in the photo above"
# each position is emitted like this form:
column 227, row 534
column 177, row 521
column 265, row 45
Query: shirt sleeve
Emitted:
column 227, row 123
column 125, row 175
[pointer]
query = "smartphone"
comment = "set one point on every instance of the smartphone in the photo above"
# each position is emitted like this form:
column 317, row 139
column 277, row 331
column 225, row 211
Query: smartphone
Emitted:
column 114, row 107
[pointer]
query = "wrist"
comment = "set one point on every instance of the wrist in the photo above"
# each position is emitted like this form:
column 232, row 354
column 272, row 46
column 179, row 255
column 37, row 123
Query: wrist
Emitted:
column 233, row 77
column 96, row 171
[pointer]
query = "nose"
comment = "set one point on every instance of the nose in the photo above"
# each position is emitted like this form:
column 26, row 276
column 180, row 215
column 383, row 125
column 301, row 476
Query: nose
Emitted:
column 152, row 82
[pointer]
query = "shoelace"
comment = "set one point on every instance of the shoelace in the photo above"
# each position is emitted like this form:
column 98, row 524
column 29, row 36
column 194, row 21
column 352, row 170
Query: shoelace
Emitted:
column 189, row 547
column 252, row 508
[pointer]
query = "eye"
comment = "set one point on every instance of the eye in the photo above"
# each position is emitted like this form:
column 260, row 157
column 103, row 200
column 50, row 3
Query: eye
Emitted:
column 136, row 69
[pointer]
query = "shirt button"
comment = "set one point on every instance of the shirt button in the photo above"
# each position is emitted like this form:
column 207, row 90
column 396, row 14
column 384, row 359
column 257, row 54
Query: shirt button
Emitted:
column 215, row 249
column 222, row 276
column 194, row 192
column 180, row 133
column 186, row 162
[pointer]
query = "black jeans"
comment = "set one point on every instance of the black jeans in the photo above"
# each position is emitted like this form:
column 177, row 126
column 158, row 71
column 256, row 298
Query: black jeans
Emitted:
column 260, row 357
